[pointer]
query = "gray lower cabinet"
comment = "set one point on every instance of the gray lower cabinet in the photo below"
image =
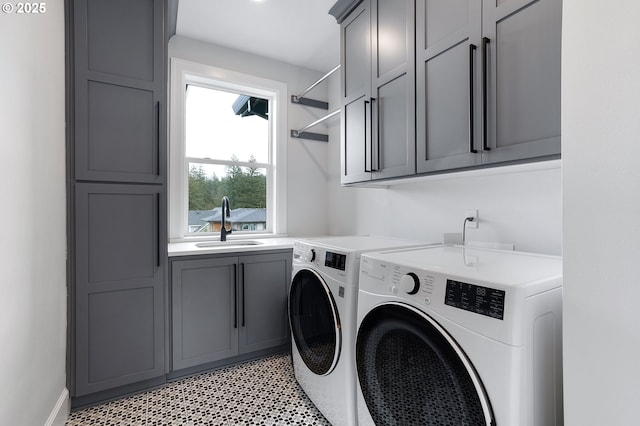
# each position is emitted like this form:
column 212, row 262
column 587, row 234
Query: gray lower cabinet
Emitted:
column 226, row 306
column 119, row 294
column 488, row 82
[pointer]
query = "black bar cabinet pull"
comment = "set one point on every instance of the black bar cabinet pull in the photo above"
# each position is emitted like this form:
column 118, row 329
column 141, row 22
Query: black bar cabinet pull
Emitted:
column 366, row 102
column 158, row 138
column 235, row 295
column 158, row 230
column 485, row 77
column 242, row 273
column 377, row 142
column 472, row 50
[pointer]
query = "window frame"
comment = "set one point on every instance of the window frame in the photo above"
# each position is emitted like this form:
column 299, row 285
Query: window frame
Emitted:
column 185, row 72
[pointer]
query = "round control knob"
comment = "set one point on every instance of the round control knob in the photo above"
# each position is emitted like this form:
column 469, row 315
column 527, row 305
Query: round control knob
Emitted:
column 311, row 255
column 410, row 283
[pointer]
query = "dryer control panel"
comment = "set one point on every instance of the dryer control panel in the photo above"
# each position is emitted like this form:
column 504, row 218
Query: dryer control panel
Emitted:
column 474, row 298
column 341, row 266
column 335, row 260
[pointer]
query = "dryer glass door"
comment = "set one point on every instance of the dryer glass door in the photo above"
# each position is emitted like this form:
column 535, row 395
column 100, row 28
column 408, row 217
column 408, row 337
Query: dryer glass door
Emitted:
column 314, row 320
column 411, row 372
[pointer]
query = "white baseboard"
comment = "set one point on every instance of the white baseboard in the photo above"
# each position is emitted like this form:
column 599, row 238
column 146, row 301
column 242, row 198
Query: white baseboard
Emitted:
column 60, row 412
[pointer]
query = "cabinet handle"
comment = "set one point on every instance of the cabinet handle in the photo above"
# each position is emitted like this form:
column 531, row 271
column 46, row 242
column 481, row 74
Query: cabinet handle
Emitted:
column 242, row 289
column 158, row 230
column 235, row 295
column 158, row 138
column 377, row 142
column 472, row 51
column 485, row 73
column 366, row 102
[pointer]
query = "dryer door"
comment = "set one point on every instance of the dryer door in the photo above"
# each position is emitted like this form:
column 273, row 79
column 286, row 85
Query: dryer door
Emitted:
column 411, row 372
column 315, row 324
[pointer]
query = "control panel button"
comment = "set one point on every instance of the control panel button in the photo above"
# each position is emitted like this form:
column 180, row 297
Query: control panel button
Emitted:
column 410, row 283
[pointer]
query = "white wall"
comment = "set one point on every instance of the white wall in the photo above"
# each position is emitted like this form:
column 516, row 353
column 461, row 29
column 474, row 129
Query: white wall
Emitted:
column 521, row 207
column 307, row 170
column 33, row 219
column 601, row 202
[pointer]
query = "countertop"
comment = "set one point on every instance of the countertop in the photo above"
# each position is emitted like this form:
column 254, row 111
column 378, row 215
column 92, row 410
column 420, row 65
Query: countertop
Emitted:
column 192, row 249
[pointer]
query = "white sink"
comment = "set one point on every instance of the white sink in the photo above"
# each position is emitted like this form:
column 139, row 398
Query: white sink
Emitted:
column 231, row 243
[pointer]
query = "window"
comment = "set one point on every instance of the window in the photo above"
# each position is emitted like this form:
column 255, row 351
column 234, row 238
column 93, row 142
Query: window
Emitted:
column 227, row 153
column 227, row 139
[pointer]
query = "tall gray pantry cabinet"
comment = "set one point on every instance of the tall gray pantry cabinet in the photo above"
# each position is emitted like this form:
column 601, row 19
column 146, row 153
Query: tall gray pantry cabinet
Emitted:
column 118, row 250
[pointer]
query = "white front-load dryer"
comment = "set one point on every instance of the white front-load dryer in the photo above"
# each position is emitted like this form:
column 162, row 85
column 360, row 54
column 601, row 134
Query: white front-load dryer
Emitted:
column 452, row 335
column 322, row 315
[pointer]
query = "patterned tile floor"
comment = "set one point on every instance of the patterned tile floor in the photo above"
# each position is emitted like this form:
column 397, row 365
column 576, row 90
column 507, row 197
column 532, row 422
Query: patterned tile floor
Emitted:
column 260, row 392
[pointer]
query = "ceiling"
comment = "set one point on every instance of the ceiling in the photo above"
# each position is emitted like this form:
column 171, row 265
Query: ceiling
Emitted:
column 299, row 32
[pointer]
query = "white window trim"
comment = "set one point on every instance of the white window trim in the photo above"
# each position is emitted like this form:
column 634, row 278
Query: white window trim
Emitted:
column 184, row 72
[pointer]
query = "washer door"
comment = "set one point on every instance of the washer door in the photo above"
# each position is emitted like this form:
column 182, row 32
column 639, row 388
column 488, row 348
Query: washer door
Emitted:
column 315, row 324
column 412, row 372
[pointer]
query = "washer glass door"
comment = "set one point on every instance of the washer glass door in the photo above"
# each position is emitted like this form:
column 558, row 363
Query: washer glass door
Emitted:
column 315, row 324
column 411, row 372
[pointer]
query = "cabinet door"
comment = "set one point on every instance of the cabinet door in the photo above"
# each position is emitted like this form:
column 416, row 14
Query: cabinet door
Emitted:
column 523, row 72
column 204, row 300
column 119, row 76
column 356, row 142
column 119, row 296
column 393, row 78
column 264, row 283
column 448, row 106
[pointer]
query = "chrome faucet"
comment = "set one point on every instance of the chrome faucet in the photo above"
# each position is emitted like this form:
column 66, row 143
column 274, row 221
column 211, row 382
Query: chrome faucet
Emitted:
column 224, row 213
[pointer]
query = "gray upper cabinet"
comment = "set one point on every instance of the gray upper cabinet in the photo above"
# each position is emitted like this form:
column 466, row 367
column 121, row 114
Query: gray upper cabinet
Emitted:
column 485, row 84
column 448, row 109
column 488, row 81
column 119, row 92
column 356, row 95
column 378, row 91
column 523, row 76
column 228, row 306
column 119, row 293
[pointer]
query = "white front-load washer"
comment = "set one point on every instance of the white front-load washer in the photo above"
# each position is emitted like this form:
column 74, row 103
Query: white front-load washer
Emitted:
column 322, row 315
column 452, row 335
